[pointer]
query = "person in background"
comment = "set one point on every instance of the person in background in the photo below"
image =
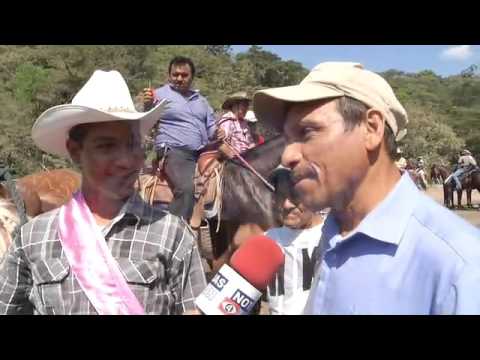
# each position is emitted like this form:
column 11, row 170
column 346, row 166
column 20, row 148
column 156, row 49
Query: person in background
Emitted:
column 186, row 127
column 237, row 134
column 252, row 123
column 287, row 294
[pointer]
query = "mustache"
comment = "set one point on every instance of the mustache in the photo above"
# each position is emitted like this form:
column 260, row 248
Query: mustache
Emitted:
column 306, row 172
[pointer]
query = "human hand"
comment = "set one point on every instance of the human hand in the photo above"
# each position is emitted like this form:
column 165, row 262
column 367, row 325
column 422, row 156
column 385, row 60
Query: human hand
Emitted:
column 148, row 96
column 220, row 134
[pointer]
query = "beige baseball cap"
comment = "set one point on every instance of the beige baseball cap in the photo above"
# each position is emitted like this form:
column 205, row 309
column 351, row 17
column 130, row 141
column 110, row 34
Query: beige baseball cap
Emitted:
column 333, row 80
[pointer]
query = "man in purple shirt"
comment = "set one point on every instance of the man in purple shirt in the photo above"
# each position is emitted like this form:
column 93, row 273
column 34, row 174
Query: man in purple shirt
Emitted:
column 184, row 129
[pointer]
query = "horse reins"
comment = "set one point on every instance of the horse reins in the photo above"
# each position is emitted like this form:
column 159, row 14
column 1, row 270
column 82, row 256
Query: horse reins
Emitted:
column 245, row 162
column 250, row 167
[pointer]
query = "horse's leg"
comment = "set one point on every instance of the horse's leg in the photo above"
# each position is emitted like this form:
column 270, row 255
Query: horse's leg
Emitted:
column 459, row 198
column 469, row 197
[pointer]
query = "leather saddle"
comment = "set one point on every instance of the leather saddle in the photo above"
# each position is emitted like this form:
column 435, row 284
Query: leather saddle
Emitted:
column 154, row 186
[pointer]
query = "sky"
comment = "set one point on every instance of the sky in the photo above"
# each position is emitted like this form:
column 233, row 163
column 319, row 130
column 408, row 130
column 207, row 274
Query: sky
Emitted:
column 444, row 60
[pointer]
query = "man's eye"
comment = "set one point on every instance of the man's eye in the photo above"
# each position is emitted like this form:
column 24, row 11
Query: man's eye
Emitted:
column 307, row 131
column 106, row 146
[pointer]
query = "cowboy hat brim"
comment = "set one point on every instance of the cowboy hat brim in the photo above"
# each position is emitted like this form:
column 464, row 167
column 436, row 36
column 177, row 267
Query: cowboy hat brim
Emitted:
column 227, row 105
column 50, row 130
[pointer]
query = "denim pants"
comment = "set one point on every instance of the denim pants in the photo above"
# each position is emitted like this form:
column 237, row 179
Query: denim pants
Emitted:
column 180, row 167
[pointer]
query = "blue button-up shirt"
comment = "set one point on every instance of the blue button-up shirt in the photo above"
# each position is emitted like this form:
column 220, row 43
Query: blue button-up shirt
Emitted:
column 187, row 123
column 409, row 255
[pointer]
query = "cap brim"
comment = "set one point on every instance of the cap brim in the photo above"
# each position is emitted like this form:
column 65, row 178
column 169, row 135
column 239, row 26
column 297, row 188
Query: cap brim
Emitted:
column 270, row 105
column 228, row 103
column 50, row 130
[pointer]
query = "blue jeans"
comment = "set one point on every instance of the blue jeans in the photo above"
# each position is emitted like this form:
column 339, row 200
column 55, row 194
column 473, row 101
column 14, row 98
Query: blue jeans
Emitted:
column 180, row 167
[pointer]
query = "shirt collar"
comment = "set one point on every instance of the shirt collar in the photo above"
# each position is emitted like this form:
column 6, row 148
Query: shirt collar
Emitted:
column 193, row 92
column 134, row 206
column 387, row 221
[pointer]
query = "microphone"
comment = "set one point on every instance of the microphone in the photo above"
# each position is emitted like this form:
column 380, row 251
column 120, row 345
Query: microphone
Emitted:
column 235, row 289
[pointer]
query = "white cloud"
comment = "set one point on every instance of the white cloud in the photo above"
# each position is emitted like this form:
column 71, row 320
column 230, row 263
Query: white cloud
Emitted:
column 460, row 52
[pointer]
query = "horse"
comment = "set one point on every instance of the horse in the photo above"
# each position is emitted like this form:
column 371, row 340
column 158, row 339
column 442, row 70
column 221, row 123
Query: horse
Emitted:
column 245, row 202
column 469, row 182
column 45, row 190
column 8, row 221
column 438, row 173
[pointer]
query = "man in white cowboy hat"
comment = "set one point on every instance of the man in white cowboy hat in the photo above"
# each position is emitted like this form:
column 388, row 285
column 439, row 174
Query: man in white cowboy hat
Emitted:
column 386, row 247
column 233, row 123
column 184, row 130
column 106, row 251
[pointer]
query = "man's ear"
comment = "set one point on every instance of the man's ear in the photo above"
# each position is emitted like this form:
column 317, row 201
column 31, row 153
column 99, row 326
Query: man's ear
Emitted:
column 374, row 129
column 74, row 148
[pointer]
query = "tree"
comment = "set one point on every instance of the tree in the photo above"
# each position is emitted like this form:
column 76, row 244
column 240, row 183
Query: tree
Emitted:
column 428, row 136
column 219, row 49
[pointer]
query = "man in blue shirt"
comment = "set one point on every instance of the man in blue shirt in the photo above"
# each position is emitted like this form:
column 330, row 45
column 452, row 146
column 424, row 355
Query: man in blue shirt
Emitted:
column 185, row 128
column 386, row 248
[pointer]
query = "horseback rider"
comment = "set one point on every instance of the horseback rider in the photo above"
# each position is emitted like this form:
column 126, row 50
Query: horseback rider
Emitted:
column 184, row 130
column 465, row 163
column 401, row 162
column 421, row 173
column 237, row 131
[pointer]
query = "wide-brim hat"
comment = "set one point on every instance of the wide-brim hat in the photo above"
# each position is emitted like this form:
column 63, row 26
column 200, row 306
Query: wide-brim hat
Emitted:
column 104, row 97
column 232, row 99
column 466, row 152
column 330, row 80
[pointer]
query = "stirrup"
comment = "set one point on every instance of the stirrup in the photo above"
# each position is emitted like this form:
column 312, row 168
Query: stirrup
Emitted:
column 205, row 240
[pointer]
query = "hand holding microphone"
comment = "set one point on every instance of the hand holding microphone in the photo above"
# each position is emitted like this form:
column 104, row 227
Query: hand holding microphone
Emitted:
column 235, row 289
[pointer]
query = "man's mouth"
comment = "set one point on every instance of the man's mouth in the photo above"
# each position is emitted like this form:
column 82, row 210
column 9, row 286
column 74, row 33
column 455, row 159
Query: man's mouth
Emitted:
column 307, row 173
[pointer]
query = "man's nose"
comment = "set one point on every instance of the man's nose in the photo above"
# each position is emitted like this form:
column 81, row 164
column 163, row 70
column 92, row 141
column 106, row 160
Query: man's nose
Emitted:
column 130, row 157
column 291, row 155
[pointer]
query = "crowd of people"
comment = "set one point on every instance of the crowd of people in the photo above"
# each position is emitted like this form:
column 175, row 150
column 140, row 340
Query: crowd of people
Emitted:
column 357, row 234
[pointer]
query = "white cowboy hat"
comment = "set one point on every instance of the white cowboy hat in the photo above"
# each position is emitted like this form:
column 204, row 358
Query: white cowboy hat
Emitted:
column 104, row 97
column 250, row 116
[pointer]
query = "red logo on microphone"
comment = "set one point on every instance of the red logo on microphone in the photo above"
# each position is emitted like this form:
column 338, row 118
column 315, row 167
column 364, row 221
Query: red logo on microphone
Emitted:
column 229, row 307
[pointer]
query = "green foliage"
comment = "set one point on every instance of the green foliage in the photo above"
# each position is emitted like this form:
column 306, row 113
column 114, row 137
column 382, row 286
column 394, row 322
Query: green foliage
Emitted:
column 443, row 112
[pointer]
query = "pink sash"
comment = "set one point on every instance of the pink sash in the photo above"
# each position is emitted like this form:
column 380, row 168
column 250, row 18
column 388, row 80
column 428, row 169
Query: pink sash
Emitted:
column 92, row 263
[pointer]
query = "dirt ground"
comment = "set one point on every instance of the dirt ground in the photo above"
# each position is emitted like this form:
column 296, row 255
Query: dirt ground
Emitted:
column 471, row 215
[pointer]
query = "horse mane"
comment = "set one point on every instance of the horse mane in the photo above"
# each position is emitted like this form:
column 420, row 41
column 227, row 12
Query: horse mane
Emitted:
column 264, row 157
column 245, row 196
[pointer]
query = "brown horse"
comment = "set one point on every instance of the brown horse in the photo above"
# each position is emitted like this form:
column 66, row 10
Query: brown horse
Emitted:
column 438, row 173
column 44, row 190
column 245, row 202
column 469, row 183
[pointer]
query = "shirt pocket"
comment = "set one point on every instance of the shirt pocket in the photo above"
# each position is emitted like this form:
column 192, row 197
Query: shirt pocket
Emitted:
column 145, row 278
column 49, row 277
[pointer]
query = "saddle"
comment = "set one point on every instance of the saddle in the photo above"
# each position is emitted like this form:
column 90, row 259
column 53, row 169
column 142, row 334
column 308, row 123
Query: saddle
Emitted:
column 154, row 186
